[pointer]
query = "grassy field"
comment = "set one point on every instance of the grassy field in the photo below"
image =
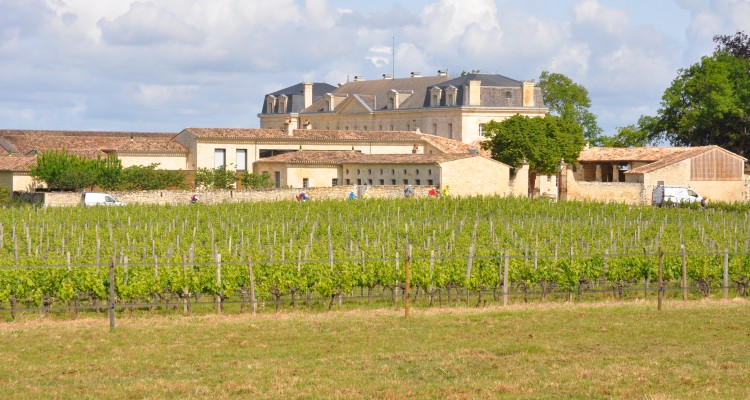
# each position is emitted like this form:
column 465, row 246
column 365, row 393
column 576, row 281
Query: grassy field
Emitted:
column 699, row 349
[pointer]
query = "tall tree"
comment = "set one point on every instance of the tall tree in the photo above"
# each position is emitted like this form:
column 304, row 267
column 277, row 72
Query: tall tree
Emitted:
column 631, row 135
column 571, row 101
column 737, row 45
column 541, row 141
column 708, row 103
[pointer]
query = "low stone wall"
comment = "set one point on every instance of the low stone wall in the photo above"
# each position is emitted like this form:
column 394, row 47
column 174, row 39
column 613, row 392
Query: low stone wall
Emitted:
column 176, row 197
column 608, row 192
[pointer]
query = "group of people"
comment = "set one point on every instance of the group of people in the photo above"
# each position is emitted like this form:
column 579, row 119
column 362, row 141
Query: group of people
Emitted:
column 408, row 192
column 433, row 192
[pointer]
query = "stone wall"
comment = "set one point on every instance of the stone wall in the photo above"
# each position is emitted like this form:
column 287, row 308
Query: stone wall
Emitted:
column 606, row 192
column 177, row 197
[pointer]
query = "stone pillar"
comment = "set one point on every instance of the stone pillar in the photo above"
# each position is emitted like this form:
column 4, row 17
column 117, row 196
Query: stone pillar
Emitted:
column 308, row 93
column 528, row 94
column 475, row 88
column 562, row 181
column 598, row 177
column 520, row 183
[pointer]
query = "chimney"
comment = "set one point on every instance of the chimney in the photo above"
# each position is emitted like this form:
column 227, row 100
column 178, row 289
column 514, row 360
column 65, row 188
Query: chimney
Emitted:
column 474, row 89
column 416, row 74
column 290, row 124
column 528, row 93
column 308, row 93
column 442, row 72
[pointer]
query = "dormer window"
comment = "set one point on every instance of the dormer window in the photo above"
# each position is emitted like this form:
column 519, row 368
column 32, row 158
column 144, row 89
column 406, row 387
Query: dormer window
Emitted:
column 436, row 93
column 393, row 100
column 451, row 92
column 270, row 104
column 330, row 105
column 282, row 103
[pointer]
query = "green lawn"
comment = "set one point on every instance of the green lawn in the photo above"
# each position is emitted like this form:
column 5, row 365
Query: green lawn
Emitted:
column 699, row 349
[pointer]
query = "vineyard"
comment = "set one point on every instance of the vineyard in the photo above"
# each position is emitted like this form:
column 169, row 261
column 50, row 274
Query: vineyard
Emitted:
column 289, row 254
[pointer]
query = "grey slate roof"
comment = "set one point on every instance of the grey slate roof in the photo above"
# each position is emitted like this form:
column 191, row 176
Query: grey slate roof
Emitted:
column 296, row 96
column 375, row 92
column 496, row 91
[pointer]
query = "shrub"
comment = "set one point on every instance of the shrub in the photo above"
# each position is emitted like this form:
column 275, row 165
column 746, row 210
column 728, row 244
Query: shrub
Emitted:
column 109, row 172
column 139, row 177
column 218, row 178
column 257, row 181
column 61, row 170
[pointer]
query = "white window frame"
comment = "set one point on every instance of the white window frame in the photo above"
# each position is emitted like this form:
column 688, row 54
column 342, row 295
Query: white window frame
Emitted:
column 241, row 159
column 220, row 158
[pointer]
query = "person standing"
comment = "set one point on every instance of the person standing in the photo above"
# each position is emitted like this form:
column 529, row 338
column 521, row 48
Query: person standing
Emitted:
column 408, row 191
column 446, row 191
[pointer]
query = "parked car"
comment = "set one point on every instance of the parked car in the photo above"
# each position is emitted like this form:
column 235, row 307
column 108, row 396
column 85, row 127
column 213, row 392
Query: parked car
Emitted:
column 674, row 195
column 95, row 199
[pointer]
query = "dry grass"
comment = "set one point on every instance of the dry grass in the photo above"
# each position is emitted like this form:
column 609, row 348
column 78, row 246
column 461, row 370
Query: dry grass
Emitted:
column 602, row 350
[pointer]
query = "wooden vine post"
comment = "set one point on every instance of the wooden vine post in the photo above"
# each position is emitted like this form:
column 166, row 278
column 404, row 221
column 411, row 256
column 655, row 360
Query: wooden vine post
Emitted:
column 218, row 283
column 506, row 281
column 407, row 289
column 684, row 273
column 185, row 290
column 253, row 302
column 726, row 273
column 660, row 277
column 111, row 294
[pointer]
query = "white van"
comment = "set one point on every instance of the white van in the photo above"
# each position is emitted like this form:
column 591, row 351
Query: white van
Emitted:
column 95, row 199
column 674, row 195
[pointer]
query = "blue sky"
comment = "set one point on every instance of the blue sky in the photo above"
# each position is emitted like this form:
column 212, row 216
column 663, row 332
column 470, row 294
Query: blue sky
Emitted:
column 169, row 64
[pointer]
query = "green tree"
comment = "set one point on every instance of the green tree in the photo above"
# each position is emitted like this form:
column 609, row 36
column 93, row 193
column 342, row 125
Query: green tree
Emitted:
column 540, row 141
column 61, row 170
column 108, row 172
column 571, row 101
column 218, row 178
column 708, row 103
column 737, row 45
column 147, row 177
column 631, row 135
column 257, row 181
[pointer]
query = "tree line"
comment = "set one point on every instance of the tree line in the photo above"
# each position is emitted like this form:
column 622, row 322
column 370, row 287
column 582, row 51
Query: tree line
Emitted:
column 62, row 170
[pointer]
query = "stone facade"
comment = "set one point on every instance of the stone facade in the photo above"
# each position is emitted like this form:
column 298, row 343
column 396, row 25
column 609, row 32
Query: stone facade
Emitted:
column 454, row 108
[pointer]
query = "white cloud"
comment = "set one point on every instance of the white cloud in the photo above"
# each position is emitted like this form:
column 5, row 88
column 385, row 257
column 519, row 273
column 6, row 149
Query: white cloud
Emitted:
column 168, row 64
column 380, row 56
column 159, row 95
column 609, row 20
column 147, row 24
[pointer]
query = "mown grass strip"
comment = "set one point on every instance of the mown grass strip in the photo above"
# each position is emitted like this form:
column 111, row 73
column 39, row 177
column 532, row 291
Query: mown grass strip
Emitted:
column 603, row 350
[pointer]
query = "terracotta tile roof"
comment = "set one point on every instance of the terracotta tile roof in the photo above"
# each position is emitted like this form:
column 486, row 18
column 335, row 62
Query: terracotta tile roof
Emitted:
column 657, row 157
column 85, row 143
column 236, row 133
column 150, row 144
column 409, row 158
column 619, row 154
column 689, row 152
column 443, row 144
column 353, row 157
column 312, row 157
column 16, row 163
column 448, row 145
